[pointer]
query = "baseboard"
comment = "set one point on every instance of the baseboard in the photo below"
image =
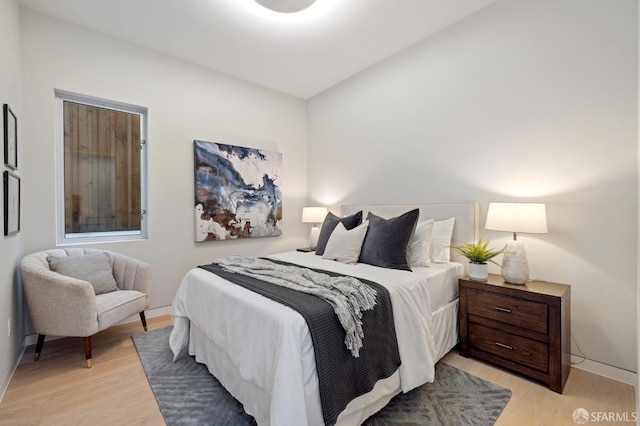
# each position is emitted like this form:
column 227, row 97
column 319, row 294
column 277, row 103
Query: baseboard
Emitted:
column 155, row 312
column 615, row 373
column 7, row 379
column 31, row 339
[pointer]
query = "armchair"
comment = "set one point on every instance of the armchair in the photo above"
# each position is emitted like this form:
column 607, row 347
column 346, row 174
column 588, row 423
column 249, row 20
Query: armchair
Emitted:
column 60, row 305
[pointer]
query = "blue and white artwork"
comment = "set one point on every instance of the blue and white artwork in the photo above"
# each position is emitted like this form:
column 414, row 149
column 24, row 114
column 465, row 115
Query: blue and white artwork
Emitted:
column 237, row 192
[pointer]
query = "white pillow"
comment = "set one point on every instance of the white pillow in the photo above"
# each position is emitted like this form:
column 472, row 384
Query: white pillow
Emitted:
column 441, row 240
column 419, row 245
column 344, row 245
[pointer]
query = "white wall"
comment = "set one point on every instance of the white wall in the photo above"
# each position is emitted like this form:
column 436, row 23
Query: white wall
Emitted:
column 185, row 102
column 531, row 101
column 10, row 246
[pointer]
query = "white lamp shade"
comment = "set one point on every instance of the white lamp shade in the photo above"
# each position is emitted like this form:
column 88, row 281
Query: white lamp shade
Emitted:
column 313, row 214
column 517, row 217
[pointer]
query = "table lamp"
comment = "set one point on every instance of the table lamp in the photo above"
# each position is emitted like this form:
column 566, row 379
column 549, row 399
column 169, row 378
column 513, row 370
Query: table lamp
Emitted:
column 314, row 215
column 516, row 217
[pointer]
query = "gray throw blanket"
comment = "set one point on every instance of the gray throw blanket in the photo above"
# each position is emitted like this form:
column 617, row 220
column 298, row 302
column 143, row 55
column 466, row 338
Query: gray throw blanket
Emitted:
column 348, row 297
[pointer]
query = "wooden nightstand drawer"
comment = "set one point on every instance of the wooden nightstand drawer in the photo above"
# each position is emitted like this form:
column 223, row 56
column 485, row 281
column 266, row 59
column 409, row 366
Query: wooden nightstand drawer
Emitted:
column 524, row 351
column 518, row 312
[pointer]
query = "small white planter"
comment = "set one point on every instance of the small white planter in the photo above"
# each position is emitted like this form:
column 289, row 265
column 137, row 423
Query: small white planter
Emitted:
column 479, row 271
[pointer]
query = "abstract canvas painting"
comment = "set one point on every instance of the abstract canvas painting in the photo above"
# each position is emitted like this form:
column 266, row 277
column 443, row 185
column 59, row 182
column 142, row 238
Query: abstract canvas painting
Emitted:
column 237, row 192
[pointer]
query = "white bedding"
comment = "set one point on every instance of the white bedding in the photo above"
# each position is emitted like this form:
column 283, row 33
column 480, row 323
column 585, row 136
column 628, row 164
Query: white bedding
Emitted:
column 269, row 349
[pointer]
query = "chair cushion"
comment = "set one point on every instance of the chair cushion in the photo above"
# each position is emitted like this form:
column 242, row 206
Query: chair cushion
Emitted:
column 118, row 305
column 94, row 268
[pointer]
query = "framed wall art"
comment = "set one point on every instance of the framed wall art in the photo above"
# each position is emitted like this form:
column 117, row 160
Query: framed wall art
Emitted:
column 10, row 138
column 237, row 192
column 11, row 203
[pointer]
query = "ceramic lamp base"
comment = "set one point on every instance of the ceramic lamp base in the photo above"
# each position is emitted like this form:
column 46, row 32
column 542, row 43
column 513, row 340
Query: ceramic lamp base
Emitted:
column 313, row 237
column 515, row 267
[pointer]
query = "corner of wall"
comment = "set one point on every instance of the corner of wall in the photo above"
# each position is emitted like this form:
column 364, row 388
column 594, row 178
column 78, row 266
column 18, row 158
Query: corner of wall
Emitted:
column 11, row 306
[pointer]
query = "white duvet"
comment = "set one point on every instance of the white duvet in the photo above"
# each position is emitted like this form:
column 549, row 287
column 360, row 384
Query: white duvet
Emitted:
column 269, row 346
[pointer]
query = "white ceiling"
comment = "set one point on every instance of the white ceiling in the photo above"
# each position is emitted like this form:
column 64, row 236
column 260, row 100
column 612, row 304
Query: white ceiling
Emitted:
column 300, row 54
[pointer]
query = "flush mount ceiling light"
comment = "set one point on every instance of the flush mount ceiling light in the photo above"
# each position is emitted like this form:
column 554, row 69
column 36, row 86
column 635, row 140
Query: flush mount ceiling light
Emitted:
column 286, row 6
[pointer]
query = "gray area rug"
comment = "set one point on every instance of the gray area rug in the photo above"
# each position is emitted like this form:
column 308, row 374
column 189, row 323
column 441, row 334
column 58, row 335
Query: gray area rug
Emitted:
column 188, row 394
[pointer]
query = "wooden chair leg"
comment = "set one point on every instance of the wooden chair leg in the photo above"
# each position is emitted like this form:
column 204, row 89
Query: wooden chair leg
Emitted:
column 144, row 320
column 87, row 350
column 39, row 345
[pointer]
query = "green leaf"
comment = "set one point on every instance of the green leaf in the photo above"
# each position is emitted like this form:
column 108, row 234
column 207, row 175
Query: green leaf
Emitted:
column 478, row 252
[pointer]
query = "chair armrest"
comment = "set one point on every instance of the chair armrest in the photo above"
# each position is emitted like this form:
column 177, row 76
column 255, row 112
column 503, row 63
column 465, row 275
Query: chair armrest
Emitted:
column 59, row 305
column 132, row 274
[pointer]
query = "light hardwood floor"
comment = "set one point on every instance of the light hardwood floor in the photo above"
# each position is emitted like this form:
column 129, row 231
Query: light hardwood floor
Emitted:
column 59, row 390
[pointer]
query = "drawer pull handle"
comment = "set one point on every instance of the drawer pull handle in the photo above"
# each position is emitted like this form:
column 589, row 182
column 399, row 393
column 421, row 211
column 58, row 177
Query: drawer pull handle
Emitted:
column 497, row 308
column 502, row 345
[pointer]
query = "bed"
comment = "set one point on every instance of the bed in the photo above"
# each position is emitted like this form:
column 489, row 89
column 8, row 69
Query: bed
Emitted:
column 270, row 366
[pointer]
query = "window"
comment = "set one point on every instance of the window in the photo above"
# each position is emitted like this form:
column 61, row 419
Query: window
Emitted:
column 101, row 170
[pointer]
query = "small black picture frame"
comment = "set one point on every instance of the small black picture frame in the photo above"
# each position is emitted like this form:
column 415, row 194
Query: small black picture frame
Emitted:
column 10, row 138
column 11, row 203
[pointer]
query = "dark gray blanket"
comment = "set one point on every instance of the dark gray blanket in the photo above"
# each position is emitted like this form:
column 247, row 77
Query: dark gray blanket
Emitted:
column 341, row 376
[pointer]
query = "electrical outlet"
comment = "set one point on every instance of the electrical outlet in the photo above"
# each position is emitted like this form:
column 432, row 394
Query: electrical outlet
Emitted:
column 9, row 327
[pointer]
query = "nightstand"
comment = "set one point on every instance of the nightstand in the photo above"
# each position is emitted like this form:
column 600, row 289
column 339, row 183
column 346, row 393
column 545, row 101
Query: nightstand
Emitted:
column 523, row 328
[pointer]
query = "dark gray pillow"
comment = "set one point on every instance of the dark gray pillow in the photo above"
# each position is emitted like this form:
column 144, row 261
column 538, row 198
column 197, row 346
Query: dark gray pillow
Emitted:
column 330, row 223
column 386, row 241
column 94, row 268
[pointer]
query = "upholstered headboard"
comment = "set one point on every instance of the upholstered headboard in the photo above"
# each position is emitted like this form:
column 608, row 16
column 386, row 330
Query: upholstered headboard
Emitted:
column 466, row 228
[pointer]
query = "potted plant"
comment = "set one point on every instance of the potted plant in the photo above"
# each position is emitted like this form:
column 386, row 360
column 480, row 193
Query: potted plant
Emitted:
column 478, row 254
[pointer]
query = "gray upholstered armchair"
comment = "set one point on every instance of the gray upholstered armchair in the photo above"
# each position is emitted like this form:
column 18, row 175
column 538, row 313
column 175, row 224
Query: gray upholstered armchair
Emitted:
column 61, row 305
